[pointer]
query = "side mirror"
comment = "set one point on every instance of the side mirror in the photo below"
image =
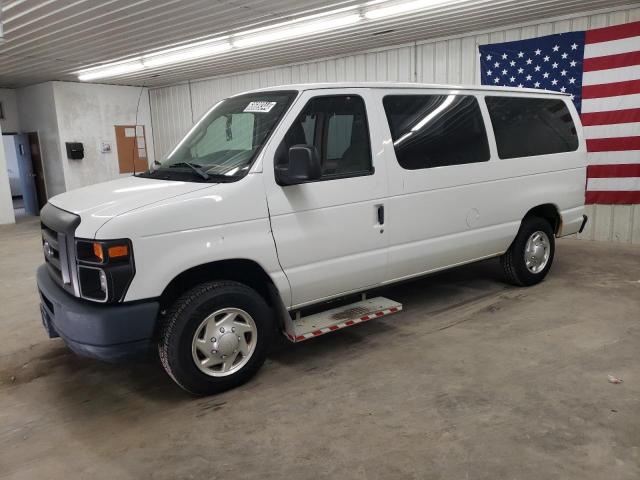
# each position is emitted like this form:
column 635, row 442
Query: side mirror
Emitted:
column 303, row 166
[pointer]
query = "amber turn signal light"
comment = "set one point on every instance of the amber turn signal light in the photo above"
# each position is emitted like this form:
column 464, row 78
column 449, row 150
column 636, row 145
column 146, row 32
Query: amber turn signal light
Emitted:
column 98, row 252
column 118, row 251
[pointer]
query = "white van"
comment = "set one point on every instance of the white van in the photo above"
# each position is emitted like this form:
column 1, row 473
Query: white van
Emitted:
column 302, row 196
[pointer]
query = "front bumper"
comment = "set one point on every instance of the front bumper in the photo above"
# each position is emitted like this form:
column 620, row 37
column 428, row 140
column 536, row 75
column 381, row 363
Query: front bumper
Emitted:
column 106, row 332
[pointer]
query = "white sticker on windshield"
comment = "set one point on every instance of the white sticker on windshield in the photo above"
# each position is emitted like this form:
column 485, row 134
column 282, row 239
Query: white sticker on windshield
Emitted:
column 260, row 107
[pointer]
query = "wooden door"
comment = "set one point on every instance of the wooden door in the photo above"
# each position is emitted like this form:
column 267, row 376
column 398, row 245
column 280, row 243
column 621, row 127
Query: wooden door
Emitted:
column 131, row 144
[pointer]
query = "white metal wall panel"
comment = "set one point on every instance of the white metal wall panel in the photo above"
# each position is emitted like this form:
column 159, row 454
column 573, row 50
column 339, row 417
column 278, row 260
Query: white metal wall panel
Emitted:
column 450, row 60
column 171, row 115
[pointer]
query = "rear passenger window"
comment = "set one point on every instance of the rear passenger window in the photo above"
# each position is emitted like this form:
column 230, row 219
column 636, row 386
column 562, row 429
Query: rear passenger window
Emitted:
column 525, row 127
column 436, row 130
column 337, row 127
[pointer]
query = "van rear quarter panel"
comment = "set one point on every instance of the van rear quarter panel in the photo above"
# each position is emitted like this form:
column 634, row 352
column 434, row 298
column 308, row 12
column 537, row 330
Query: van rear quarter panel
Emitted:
column 445, row 216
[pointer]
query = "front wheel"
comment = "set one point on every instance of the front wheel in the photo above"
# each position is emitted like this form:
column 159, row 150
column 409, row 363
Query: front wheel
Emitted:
column 530, row 256
column 215, row 337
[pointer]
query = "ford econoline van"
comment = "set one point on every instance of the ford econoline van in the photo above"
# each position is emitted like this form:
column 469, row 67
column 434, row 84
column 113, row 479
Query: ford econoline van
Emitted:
column 282, row 207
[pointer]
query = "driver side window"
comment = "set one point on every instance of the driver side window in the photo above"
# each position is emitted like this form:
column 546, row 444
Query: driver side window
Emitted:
column 337, row 127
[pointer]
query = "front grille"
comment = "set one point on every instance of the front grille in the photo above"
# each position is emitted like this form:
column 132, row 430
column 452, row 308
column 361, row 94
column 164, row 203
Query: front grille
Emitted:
column 51, row 241
column 58, row 230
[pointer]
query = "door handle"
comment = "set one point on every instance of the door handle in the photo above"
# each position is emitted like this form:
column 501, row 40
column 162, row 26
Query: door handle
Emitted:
column 380, row 214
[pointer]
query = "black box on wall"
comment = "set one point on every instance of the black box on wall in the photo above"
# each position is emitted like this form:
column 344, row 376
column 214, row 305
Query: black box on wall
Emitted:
column 75, row 150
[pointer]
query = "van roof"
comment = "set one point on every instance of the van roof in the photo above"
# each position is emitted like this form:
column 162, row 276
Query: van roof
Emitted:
column 432, row 86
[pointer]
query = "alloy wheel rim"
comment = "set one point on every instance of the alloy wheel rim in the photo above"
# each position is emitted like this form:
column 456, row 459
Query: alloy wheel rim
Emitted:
column 224, row 342
column 537, row 251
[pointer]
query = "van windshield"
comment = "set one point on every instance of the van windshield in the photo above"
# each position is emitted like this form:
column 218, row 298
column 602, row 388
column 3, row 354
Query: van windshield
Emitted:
column 224, row 143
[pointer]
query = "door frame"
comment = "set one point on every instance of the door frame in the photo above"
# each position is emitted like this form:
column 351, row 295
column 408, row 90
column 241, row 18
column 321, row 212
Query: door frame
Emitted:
column 40, row 180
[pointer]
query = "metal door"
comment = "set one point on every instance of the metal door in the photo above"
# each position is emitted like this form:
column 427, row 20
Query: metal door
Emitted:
column 27, row 177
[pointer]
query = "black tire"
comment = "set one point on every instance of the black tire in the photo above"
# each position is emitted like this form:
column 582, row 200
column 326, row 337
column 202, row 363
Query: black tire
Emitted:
column 179, row 324
column 513, row 261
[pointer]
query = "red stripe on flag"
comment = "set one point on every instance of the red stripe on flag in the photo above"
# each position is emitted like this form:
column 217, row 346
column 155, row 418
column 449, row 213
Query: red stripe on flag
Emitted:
column 613, row 144
column 613, row 116
column 614, row 171
column 625, row 197
column 616, row 32
column 611, row 61
column 614, row 89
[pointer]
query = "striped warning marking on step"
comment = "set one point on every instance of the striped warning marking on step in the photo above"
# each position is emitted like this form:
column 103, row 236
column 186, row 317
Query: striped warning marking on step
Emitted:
column 348, row 323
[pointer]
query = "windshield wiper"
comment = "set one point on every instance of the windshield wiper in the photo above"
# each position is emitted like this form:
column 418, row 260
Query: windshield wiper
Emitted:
column 192, row 166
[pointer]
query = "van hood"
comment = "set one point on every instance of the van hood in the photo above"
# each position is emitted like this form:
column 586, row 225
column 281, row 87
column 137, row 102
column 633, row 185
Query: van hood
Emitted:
column 97, row 204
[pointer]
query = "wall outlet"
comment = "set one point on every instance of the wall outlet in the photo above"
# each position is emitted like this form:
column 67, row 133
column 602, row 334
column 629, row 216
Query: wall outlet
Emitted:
column 105, row 147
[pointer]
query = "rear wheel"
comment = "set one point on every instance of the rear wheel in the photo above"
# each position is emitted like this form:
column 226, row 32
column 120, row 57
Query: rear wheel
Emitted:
column 215, row 337
column 530, row 256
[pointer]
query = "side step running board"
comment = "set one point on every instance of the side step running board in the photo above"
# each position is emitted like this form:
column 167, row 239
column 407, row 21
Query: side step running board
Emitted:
column 300, row 329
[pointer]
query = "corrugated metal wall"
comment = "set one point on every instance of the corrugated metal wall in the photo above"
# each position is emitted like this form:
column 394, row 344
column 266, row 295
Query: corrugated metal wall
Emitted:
column 451, row 60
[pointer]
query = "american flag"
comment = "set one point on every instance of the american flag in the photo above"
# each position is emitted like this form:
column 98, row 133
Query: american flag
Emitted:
column 600, row 69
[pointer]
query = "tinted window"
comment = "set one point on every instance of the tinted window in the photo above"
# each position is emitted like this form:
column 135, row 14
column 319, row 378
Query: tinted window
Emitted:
column 525, row 127
column 337, row 127
column 436, row 130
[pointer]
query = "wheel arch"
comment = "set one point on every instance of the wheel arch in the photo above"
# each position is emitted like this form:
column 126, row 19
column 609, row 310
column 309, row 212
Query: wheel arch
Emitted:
column 242, row 270
column 549, row 212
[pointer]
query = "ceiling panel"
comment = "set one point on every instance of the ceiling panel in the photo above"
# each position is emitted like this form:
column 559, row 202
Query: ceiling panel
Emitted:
column 52, row 39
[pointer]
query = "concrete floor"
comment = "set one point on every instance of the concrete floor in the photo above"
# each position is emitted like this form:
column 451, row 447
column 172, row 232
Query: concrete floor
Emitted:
column 473, row 380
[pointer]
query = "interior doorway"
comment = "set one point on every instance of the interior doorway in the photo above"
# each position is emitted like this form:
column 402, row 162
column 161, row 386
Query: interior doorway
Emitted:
column 26, row 173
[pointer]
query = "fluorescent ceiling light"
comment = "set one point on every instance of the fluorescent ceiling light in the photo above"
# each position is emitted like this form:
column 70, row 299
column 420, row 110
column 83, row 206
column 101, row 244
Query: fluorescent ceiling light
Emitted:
column 111, row 70
column 295, row 30
column 183, row 54
column 400, row 8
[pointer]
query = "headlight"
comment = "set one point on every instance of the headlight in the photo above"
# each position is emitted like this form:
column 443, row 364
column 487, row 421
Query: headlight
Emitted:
column 105, row 269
